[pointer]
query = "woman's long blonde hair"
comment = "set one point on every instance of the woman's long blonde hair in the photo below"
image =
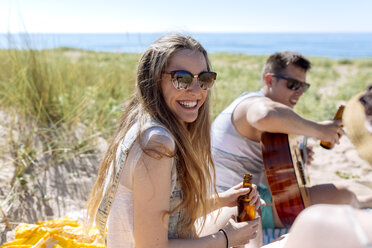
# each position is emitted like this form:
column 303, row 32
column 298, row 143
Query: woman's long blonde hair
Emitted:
column 195, row 167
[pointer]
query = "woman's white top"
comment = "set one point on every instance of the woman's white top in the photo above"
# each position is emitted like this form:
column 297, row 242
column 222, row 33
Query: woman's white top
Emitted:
column 120, row 219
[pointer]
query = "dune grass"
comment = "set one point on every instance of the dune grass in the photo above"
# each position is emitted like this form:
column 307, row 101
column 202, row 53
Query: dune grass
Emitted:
column 56, row 86
column 62, row 100
column 68, row 97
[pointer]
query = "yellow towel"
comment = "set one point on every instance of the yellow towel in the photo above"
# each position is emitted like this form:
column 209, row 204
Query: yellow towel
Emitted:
column 59, row 233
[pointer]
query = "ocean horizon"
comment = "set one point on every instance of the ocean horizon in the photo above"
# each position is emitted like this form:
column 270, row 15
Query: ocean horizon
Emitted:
column 332, row 45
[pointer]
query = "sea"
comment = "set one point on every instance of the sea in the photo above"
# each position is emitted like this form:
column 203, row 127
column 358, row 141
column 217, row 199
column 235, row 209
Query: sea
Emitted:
column 332, row 45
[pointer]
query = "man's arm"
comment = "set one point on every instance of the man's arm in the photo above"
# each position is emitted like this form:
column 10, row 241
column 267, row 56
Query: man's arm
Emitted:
column 261, row 114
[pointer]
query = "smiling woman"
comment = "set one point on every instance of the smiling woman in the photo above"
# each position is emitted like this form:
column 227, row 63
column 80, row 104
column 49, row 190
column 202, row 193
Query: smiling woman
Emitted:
column 184, row 102
column 155, row 185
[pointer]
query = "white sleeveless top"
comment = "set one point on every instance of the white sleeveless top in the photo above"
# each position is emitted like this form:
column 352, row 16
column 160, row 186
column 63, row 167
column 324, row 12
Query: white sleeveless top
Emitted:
column 120, row 219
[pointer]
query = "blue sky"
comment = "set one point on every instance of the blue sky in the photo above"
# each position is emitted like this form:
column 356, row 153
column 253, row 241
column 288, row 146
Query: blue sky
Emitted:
column 118, row 16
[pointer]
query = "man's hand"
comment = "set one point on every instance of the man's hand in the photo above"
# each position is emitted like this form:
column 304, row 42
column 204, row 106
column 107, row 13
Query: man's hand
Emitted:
column 331, row 131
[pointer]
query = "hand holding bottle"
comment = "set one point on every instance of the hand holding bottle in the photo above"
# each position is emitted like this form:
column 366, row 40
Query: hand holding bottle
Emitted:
column 337, row 117
column 229, row 197
column 330, row 131
column 241, row 233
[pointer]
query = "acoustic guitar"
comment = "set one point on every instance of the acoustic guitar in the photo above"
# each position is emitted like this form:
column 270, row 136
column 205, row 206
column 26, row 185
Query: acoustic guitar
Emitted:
column 286, row 174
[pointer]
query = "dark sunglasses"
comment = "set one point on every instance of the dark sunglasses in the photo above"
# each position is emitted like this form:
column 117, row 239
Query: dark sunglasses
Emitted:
column 293, row 84
column 183, row 79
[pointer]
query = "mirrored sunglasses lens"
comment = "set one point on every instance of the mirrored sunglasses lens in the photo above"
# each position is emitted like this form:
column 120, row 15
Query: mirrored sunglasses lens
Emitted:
column 206, row 80
column 182, row 80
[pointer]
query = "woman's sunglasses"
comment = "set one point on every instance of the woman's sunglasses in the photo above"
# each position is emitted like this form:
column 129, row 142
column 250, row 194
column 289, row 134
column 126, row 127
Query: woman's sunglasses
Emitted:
column 183, row 79
column 293, row 84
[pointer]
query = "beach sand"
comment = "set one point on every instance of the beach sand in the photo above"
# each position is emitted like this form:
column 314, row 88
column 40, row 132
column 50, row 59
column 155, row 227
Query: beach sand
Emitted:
column 341, row 166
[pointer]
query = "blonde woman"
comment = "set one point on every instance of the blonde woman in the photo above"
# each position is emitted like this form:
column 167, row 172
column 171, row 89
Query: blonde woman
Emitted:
column 157, row 177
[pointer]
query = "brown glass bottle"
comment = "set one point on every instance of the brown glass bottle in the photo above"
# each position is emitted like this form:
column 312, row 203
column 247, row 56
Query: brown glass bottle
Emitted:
column 338, row 116
column 245, row 211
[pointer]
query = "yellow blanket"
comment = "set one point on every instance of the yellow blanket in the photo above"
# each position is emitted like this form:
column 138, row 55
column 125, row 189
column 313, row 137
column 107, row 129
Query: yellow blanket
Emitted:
column 59, row 233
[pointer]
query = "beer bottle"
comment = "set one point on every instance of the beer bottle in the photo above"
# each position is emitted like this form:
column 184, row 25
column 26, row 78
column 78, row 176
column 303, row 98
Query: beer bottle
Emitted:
column 245, row 211
column 338, row 116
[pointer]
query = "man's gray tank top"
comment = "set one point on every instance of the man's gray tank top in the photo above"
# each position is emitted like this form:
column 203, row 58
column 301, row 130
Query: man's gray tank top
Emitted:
column 233, row 154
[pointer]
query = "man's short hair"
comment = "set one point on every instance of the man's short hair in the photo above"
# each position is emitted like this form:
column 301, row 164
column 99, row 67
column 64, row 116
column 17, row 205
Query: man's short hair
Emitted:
column 279, row 61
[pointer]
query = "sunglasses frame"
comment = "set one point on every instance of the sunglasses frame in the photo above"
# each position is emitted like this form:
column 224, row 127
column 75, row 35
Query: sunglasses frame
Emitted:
column 197, row 76
column 293, row 84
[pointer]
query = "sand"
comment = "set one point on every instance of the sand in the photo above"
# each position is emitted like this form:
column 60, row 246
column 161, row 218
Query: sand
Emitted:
column 52, row 190
column 341, row 166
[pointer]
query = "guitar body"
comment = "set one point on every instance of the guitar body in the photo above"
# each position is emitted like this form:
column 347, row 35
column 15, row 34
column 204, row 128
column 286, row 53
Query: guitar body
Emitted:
column 285, row 174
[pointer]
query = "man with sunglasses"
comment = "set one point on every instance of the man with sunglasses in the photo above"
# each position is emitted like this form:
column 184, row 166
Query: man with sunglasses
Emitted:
column 236, row 133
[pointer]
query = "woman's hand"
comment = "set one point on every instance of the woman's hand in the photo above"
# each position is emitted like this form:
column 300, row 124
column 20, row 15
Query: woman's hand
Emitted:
column 239, row 233
column 229, row 198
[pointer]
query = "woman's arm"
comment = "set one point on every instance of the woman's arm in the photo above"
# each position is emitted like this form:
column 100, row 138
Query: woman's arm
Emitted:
column 151, row 194
column 151, row 199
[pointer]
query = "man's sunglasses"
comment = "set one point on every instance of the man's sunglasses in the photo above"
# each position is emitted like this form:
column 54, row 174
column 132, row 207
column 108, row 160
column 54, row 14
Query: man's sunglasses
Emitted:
column 293, row 84
column 183, row 79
